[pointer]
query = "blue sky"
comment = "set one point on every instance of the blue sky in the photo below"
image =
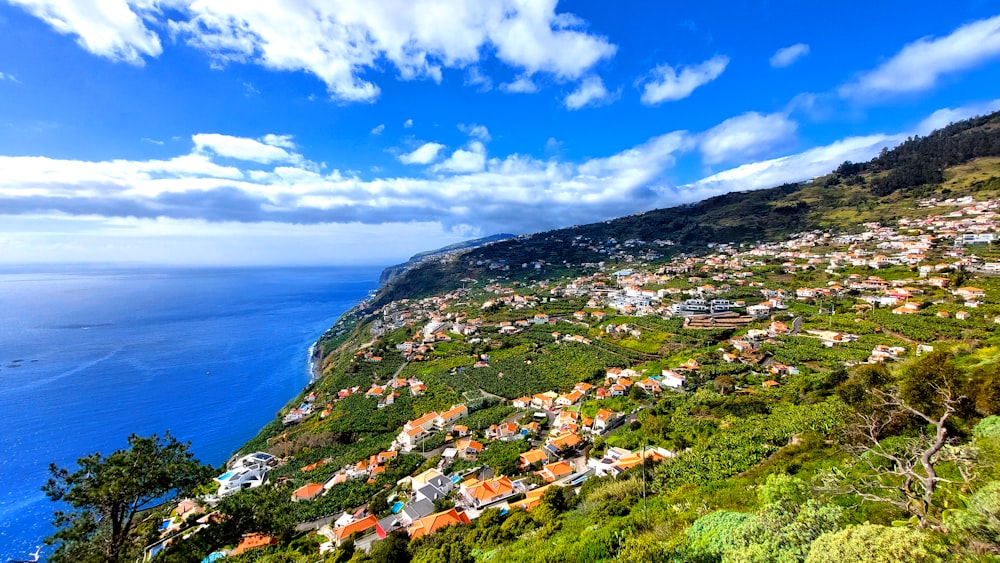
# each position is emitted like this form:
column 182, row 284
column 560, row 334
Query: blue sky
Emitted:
column 351, row 131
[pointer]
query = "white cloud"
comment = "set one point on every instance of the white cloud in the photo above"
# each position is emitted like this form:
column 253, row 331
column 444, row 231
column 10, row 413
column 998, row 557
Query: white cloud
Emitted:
column 530, row 35
column 522, row 85
column 425, row 154
column 666, row 84
column 377, row 130
column 9, row 77
column 465, row 161
column 110, row 28
column 408, row 124
column 802, row 166
column 514, row 193
column 591, row 92
column 813, row 162
column 341, row 42
column 475, row 131
column 787, row 55
column 746, row 136
column 919, row 65
column 946, row 116
column 283, row 141
column 475, row 77
column 265, row 151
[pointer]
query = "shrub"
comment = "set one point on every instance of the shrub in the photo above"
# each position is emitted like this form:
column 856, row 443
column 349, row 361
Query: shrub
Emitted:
column 988, row 427
column 717, row 532
column 869, row 543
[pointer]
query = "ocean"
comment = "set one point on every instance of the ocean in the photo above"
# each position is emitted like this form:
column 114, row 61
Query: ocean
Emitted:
column 89, row 355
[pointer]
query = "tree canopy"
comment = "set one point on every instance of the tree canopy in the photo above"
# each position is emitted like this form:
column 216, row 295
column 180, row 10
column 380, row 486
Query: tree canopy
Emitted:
column 105, row 495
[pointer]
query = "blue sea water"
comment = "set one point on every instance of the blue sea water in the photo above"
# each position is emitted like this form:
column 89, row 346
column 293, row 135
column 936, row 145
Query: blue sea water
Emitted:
column 89, row 355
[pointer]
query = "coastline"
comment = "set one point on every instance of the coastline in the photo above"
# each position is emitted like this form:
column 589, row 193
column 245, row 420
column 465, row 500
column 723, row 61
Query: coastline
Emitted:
column 313, row 375
column 244, row 330
column 313, row 367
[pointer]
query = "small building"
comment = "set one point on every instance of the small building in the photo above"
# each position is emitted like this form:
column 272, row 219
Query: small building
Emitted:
column 361, row 527
column 253, row 541
column 307, row 492
column 430, row 524
column 533, row 457
column 555, row 471
column 483, row 493
column 453, row 414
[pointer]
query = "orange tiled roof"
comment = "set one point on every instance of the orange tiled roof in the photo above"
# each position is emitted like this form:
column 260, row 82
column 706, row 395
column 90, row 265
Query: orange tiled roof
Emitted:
column 532, row 498
column 308, row 491
column 434, row 522
column 423, row 419
column 454, row 411
column 565, row 441
column 253, row 541
column 533, row 456
column 553, row 471
column 485, row 491
column 361, row 526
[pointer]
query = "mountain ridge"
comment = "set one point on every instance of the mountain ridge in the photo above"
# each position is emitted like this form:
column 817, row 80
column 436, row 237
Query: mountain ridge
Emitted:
column 853, row 192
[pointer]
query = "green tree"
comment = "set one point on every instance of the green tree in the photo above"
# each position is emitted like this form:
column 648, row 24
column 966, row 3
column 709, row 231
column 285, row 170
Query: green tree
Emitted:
column 266, row 509
column 985, row 386
column 379, row 504
column 855, row 391
column 393, row 549
column 988, row 427
column 106, row 494
column 343, row 553
column 636, row 393
column 724, row 384
column 904, row 471
column 922, row 384
column 980, row 520
column 559, row 498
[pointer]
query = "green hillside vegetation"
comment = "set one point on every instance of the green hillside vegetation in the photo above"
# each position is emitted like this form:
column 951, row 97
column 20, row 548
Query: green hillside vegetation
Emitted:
column 857, row 418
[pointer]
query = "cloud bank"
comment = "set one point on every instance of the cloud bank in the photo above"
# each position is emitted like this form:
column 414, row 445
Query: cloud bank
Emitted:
column 254, row 185
column 341, row 42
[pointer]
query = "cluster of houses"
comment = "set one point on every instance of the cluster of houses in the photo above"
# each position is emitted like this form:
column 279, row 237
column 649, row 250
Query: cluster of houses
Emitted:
column 367, row 469
column 687, row 286
column 301, row 412
column 472, row 495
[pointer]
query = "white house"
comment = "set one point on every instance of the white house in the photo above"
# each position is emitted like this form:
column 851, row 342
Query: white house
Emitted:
column 672, row 379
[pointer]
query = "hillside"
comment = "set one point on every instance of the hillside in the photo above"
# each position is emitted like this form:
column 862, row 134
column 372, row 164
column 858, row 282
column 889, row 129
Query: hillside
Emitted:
column 824, row 388
column 392, row 272
column 961, row 159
